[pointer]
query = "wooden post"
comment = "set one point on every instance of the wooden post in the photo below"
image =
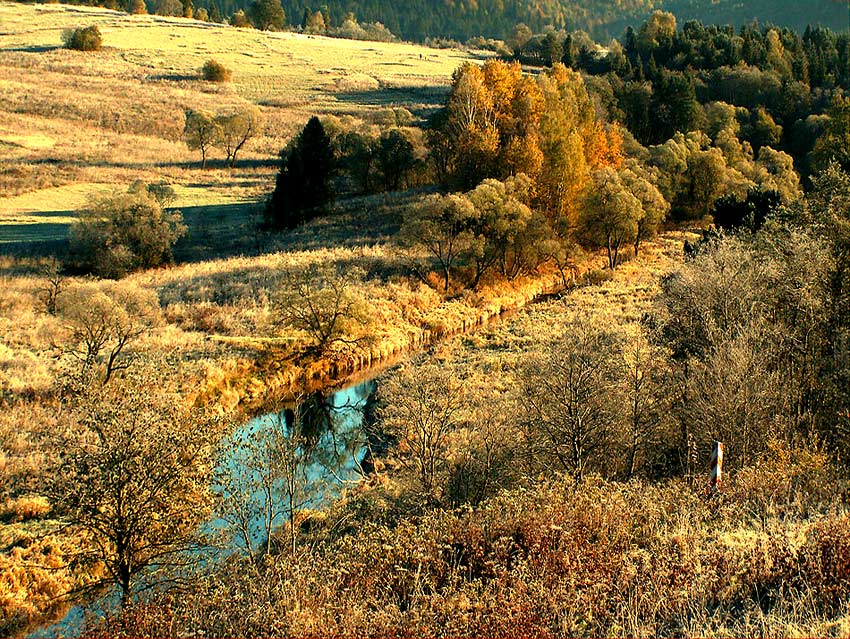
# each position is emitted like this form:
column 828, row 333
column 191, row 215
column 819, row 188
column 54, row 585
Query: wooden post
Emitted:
column 715, row 479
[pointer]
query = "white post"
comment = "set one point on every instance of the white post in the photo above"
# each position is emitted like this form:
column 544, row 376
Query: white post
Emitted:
column 715, row 479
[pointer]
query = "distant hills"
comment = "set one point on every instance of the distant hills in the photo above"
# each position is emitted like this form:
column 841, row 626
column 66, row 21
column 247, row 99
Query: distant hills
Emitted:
column 462, row 19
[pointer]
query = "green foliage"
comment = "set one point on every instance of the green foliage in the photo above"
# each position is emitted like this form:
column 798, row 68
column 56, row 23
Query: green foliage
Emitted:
column 488, row 228
column 610, row 213
column 834, row 144
column 123, row 232
column 83, row 38
column 267, row 15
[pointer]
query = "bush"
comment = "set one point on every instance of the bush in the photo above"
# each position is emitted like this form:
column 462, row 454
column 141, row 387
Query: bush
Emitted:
column 123, row 232
column 240, row 20
column 83, row 38
column 214, row 71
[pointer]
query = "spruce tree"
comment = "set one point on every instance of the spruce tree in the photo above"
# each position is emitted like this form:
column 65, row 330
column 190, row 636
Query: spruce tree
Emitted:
column 304, row 182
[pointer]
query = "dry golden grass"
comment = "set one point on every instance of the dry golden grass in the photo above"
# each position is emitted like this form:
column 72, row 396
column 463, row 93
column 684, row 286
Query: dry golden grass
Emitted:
column 73, row 122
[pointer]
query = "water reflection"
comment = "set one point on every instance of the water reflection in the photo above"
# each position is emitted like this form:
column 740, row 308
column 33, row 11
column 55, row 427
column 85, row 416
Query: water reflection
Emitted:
column 285, row 462
column 297, row 457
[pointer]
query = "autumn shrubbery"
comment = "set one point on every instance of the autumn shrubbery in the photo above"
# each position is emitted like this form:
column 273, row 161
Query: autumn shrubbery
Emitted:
column 558, row 558
column 83, row 38
column 214, row 71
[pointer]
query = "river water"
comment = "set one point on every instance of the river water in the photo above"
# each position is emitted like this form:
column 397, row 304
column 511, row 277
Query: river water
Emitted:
column 332, row 423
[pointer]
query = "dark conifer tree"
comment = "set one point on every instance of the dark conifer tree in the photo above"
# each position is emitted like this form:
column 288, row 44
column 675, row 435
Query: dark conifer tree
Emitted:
column 303, row 185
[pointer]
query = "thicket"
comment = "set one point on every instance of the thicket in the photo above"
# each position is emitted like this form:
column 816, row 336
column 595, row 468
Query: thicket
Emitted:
column 83, row 38
column 556, row 559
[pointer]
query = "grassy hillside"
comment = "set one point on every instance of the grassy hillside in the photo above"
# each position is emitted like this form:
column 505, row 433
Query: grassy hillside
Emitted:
column 74, row 123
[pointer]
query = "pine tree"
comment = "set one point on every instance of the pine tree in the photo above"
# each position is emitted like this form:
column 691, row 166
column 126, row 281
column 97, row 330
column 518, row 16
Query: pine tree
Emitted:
column 303, row 184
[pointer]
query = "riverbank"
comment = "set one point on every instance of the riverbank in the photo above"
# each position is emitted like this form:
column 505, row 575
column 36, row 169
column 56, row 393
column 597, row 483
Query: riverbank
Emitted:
column 234, row 364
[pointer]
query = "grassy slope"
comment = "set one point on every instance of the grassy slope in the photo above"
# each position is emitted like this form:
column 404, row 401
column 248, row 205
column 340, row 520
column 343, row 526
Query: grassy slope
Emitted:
column 75, row 123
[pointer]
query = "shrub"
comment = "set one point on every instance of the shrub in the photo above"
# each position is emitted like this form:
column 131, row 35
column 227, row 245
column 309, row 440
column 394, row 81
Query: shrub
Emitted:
column 123, row 232
column 26, row 508
column 214, row 71
column 240, row 20
column 83, row 38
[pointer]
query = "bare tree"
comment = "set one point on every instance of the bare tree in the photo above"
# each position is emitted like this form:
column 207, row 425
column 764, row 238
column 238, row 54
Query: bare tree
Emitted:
column 53, row 284
column 641, row 377
column 568, row 392
column 264, row 477
column 422, row 408
column 102, row 319
column 132, row 476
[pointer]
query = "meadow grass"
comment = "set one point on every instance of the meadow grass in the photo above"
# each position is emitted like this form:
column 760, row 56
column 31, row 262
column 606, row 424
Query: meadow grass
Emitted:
column 73, row 123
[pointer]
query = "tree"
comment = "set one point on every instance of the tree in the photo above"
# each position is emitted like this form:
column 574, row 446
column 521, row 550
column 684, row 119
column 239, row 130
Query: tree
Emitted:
column 834, row 143
column 610, row 213
column 395, row 158
column 654, row 207
column 731, row 213
column 202, row 132
column 520, row 36
column 237, row 128
column 441, row 225
column 240, row 20
column 314, row 22
column 123, row 232
column 54, row 283
column 267, row 473
column 168, row 8
column 642, row 378
column 303, row 185
column 357, row 157
column 104, row 318
column 132, row 476
column 322, row 302
column 422, row 409
column 267, row 15
column 500, row 222
column 569, row 395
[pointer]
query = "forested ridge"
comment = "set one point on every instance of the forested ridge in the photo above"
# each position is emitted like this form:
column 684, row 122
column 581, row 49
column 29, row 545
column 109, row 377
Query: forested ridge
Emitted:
column 463, row 19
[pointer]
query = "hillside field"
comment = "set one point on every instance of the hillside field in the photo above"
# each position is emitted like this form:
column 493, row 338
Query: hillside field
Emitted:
column 74, row 123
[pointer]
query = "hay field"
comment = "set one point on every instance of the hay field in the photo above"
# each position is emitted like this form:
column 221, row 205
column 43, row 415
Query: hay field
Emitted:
column 74, row 123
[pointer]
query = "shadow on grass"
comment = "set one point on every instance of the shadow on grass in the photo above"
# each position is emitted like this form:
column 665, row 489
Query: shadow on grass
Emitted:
column 34, row 48
column 418, row 97
column 173, row 77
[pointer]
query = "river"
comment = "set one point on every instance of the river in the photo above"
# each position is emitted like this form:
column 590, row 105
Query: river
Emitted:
column 331, row 423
